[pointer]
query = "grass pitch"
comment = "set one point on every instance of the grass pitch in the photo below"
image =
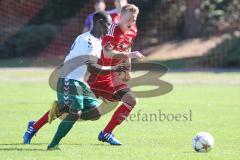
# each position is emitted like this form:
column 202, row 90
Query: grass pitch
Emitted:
column 213, row 99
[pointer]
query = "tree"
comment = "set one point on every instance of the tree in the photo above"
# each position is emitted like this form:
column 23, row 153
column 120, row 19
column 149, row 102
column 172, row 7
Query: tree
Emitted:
column 191, row 25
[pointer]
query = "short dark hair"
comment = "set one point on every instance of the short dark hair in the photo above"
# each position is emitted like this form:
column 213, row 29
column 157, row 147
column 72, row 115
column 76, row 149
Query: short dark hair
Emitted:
column 100, row 15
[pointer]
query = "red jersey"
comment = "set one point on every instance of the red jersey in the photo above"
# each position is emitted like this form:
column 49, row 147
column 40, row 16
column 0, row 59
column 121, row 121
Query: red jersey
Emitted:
column 117, row 40
column 115, row 17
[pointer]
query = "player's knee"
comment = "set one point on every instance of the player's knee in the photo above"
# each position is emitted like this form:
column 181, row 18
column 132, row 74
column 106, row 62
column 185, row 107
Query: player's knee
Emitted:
column 131, row 100
column 93, row 114
column 73, row 116
column 97, row 115
column 134, row 101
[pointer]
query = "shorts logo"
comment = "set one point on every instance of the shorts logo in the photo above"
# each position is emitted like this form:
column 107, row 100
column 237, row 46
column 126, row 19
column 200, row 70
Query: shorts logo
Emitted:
column 66, row 91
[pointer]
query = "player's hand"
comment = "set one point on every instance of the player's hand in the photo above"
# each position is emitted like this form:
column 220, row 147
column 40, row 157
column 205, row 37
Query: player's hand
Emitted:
column 127, row 76
column 136, row 54
column 121, row 67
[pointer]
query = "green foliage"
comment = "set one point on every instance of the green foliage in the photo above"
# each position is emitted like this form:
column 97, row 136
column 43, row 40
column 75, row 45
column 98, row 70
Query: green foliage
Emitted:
column 28, row 41
column 216, row 13
column 232, row 56
column 56, row 11
column 226, row 54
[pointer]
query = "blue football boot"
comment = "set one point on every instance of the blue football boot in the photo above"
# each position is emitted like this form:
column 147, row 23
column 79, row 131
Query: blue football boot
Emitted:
column 109, row 138
column 29, row 133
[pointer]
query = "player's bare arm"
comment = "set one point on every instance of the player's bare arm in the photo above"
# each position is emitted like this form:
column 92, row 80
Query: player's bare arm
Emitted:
column 95, row 68
column 109, row 52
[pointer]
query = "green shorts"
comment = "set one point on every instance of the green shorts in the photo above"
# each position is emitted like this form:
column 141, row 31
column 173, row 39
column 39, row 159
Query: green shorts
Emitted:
column 75, row 95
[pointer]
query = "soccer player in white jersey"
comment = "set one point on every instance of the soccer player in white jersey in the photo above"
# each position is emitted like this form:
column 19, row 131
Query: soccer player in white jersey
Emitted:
column 74, row 94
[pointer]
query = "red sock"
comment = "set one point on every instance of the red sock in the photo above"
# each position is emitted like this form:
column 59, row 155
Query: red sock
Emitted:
column 118, row 117
column 41, row 122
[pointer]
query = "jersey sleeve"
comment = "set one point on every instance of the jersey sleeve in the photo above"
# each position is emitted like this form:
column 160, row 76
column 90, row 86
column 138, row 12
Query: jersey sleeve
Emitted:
column 108, row 41
column 77, row 51
column 80, row 47
column 95, row 53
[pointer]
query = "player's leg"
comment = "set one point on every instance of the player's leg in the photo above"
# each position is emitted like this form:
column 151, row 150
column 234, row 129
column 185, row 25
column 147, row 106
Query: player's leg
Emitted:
column 121, row 113
column 114, row 90
column 63, row 128
column 91, row 105
column 49, row 116
column 35, row 126
column 91, row 114
column 75, row 105
column 74, row 98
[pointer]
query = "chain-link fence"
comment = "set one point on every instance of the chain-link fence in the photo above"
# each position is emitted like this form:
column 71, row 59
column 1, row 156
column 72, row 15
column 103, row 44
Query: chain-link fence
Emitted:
column 46, row 28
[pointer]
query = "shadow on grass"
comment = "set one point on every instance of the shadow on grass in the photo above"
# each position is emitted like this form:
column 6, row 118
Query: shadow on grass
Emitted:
column 36, row 144
column 189, row 152
column 18, row 145
column 15, row 144
column 96, row 144
column 21, row 149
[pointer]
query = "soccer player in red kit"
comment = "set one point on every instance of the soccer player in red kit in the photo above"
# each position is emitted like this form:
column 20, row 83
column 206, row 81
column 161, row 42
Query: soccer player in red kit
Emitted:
column 116, row 45
column 116, row 17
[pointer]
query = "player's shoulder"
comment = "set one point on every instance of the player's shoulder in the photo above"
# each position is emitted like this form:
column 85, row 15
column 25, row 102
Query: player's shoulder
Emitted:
column 85, row 41
column 87, row 38
column 114, row 29
column 82, row 37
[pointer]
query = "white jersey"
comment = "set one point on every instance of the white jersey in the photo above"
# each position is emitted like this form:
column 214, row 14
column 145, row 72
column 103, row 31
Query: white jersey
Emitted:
column 85, row 45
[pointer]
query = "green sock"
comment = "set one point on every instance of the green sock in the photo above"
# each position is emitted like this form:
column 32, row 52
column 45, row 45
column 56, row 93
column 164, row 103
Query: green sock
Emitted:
column 63, row 128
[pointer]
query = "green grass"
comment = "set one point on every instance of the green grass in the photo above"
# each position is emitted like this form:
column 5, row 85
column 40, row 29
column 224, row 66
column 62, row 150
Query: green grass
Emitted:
column 212, row 97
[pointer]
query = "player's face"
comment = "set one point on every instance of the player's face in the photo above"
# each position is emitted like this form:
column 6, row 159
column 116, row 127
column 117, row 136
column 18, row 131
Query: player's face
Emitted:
column 128, row 20
column 105, row 25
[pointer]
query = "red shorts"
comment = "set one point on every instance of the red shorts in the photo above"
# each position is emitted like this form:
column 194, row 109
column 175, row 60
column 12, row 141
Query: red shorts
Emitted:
column 108, row 87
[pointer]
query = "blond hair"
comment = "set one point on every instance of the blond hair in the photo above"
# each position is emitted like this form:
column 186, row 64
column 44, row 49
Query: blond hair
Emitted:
column 130, row 8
